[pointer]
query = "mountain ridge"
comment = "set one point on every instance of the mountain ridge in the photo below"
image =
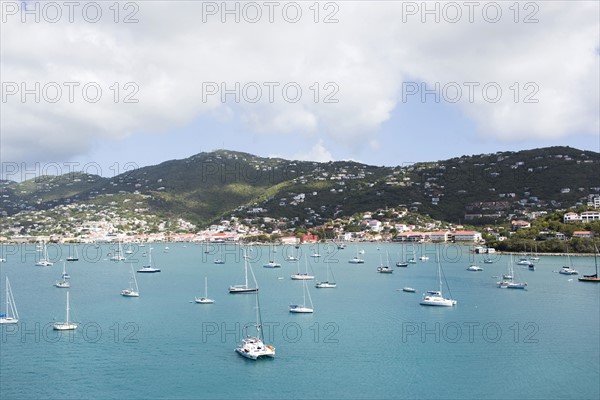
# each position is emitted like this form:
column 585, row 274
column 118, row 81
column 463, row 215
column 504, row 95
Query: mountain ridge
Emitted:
column 208, row 186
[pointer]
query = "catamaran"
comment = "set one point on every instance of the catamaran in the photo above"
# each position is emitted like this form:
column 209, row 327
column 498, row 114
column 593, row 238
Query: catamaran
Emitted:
column 11, row 315
column 253, row 347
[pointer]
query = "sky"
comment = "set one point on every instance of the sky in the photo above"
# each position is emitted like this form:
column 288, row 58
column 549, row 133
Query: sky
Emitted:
column 103, row 87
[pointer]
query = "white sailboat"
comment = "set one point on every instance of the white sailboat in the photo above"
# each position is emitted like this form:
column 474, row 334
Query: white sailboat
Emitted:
column 508, row 282
column 272, row 263
column 329, row 283
column 253, row 347
column 67, row 325
column 118, row 256
column 74, row 257
column 568, row 269
column 303, row 308
column 129, row 249
column 44, row 261
column 220, row 259
column 435, row 297
column 133, row 290
column 302, row 275
column 65, row 275
column 384, row 268
column 11, row 315
column 63, row 283
column 245, row 288
column 149, row 269
column 356, row 259
column 205, row 299
column 413, row 259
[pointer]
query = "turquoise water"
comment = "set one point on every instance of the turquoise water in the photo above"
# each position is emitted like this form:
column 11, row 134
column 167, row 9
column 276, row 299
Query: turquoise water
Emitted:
column 366, row 339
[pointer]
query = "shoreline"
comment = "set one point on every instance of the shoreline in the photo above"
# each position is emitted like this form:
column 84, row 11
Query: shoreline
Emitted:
column 545, row 254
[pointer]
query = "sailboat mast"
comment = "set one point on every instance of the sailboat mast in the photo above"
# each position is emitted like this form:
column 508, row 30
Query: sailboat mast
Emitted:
column 246, row 270
column 259, row 319
column 206, row 287
column 7, row 291
column 67, row 308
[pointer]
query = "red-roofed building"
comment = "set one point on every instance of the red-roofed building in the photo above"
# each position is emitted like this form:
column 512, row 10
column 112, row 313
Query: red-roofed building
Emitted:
column 583, row 234
column 439, row 236
column 310, row 239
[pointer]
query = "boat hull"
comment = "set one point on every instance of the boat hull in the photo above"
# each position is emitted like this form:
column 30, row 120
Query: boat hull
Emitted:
column 204, row 301
column 62, row 326
column 242, row 290
column 300, row 309
column 325, row 285
column 302, row 277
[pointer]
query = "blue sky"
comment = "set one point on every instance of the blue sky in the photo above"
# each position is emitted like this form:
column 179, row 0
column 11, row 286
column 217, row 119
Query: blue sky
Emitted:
column 372, row 55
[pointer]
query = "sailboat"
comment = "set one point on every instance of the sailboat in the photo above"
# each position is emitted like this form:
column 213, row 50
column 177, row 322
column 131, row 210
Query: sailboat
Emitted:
column 11, row 316
column 205, row 299
column 594, row 277
column 535, row 257
column 435, row 297
column 44, row 261
column 292, row 257
column 220, row 259
column 356, row 259
column 568, row 270
column 272, row 263
column 329, row 283
column 65, row 326
column 245, row 288
column 118, row 256
column 148, row 269
column 302, row 275
column 302, row 308
column 384, row 269
column 64, row 283
column 65, row 275
column 413, row 259
column 74, row 257
column 253, row 347
column 402, row 264
column 508, row 282
column 129, row 249
column 133, row 290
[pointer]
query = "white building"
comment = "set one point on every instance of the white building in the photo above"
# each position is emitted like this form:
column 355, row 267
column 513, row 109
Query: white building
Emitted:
column 589, row 216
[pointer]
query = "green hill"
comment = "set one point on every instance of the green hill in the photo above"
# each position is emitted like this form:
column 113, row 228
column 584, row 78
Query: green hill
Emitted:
column 207, row 186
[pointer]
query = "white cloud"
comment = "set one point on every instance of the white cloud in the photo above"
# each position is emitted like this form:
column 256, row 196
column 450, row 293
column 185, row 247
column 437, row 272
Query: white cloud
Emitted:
column 317, row 153
column 367, row 56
